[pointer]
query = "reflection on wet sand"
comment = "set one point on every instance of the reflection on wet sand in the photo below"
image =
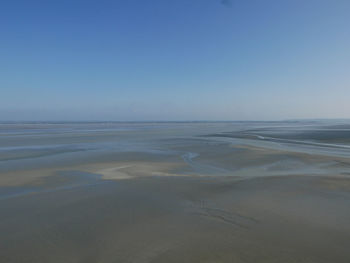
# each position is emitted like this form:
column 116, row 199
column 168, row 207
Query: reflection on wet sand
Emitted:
column 175, row 192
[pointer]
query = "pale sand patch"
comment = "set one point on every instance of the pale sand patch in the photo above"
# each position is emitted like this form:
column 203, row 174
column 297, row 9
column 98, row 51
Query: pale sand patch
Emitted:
column 115, row 173
column 108, row 170
column 129, row 170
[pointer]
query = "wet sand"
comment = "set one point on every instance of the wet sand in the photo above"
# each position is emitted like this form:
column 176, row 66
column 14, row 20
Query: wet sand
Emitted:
column 179, row 194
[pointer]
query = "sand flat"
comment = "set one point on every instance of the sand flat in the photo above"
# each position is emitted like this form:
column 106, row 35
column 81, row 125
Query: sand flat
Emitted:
column 174, row 194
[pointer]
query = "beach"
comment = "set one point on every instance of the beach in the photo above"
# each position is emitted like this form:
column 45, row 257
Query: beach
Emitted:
column 175, row 192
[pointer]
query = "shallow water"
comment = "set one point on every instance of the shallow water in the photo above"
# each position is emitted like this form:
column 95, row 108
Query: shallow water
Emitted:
column 175, row 192
column 36, row 145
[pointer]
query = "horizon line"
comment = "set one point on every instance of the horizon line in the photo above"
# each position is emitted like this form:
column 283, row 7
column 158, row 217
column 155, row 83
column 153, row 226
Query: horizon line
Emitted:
column 166, row 121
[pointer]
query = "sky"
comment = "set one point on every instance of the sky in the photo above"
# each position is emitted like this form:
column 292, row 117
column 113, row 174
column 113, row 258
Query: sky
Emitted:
column 137, row 60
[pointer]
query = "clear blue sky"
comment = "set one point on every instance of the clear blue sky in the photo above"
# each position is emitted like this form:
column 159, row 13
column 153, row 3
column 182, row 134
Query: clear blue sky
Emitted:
column 174, row 60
